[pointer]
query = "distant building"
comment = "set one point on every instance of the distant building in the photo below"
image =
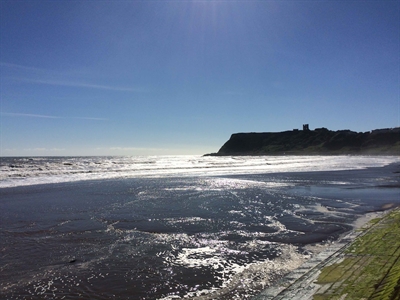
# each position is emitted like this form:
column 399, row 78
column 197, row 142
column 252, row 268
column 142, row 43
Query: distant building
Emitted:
column 305, row 127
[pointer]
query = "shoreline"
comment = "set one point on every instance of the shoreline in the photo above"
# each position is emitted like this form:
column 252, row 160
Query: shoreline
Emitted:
column 300, row 283
column 25, row 172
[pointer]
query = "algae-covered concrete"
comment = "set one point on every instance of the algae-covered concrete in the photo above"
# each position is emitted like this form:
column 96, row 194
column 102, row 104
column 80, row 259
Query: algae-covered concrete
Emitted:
column 363, row 265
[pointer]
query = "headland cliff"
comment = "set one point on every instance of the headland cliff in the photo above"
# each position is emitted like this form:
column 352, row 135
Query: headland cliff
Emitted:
column 320, row 141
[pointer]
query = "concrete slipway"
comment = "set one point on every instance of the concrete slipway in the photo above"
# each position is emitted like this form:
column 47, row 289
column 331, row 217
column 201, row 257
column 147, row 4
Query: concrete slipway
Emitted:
column 365, row 264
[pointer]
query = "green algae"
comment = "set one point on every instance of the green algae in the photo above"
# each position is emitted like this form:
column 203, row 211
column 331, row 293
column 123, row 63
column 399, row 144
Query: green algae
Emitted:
column 371, row 265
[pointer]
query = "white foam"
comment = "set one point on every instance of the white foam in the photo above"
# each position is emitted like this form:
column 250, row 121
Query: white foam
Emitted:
column 237, row 277
column 30, row 171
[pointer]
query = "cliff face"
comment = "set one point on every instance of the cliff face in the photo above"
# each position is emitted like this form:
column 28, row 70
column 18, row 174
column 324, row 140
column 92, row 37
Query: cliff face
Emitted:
column 308, row 142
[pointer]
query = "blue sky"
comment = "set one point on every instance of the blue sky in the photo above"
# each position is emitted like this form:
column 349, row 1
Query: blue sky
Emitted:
column 179, row 77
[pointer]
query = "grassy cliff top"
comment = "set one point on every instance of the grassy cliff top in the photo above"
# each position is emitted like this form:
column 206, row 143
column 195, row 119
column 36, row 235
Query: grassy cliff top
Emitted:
column 309, row 142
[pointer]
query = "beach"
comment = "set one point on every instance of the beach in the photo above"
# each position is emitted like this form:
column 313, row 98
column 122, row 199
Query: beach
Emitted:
column 223, row 234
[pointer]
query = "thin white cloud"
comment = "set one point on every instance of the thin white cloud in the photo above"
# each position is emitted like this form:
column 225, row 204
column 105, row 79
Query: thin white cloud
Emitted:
column 61, row 82
column 89, row 118
column 9, row 150
column 44, row 149
column 49, row 117
column 27, row 68
column 136, row 149
column 29, row 115
column 77, row 84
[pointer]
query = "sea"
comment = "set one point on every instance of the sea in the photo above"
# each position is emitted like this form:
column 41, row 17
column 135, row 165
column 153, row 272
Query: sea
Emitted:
column 177, row 227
